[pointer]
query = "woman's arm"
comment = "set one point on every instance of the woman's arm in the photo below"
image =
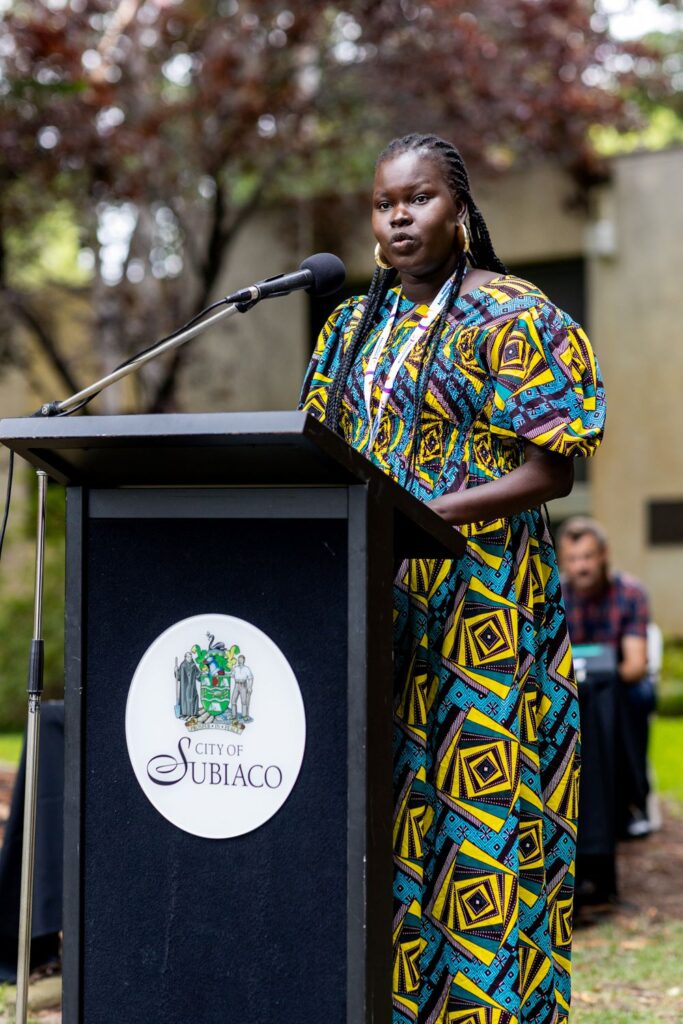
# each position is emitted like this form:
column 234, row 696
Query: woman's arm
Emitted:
column 542, row 476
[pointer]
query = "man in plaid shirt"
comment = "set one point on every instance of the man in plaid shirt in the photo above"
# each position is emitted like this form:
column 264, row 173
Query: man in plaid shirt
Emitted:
column 608, row 607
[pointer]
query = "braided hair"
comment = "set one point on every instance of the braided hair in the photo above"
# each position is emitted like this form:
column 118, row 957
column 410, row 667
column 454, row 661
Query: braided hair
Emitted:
column 382, row 281
column 481, row 254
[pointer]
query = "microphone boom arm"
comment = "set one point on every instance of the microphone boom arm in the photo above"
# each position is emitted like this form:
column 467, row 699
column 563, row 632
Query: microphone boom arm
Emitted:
column 69, row 404
column 320, row 274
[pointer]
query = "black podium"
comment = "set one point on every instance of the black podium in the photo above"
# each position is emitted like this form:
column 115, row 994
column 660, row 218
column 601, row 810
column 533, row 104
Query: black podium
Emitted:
column 272, row 518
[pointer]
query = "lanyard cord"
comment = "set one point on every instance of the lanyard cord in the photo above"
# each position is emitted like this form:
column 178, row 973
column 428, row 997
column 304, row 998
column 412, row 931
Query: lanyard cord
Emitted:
column 433, row 313
column 428, row 357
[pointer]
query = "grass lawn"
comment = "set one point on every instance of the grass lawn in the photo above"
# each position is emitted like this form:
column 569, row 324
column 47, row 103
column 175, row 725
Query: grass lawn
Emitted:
column 7, row 1009
column 670, row 685
column 666, row 752
column 628, row 971
column 10, row 747
column 627, row 968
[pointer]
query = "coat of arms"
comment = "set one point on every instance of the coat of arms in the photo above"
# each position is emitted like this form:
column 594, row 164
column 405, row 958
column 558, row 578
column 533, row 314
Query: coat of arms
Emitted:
column 213, row 687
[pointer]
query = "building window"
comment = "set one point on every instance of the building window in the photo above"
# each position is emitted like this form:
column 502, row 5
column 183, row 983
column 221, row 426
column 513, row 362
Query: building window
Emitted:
column 665, row 522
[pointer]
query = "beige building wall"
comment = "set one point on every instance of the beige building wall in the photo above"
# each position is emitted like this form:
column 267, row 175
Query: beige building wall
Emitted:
column 630, row 241
column 254, row 360
column 532, row 215
column 636, row 313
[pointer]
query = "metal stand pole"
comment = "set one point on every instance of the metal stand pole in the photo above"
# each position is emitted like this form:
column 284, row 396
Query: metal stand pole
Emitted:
column 70, row 404
column 35, row 693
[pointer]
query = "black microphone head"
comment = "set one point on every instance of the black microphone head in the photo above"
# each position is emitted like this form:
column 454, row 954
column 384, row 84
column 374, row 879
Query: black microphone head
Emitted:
column 329, row 273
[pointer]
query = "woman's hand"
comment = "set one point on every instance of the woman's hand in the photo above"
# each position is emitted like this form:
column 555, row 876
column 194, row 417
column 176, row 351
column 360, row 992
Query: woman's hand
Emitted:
column 542, row 476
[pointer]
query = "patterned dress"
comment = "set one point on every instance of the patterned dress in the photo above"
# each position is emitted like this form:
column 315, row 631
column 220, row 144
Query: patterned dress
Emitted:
column 486, row 713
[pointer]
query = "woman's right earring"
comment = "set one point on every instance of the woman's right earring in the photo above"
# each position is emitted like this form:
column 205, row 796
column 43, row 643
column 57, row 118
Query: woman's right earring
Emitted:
column 380, row 259
column 465, row 242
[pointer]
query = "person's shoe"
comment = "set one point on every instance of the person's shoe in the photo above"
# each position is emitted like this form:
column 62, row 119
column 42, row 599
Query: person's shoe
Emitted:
column 638, row 826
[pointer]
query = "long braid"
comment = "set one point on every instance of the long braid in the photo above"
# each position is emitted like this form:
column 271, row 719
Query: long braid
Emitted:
column 482, row 253
column 379, row 287
column 481, row 242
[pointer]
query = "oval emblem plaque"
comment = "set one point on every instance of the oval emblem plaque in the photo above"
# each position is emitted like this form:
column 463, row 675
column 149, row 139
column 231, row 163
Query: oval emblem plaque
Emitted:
column 215, row 726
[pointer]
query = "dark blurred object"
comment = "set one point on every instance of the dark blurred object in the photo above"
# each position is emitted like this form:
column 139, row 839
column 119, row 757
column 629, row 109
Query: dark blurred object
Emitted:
column 636, row 705
column 596, row 673
column 47, row 899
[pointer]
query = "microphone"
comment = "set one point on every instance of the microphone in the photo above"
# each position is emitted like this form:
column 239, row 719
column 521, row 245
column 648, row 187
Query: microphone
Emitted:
column 321, row 274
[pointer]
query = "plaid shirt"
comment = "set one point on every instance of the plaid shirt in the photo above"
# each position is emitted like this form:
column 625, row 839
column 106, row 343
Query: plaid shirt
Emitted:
column 620, row 610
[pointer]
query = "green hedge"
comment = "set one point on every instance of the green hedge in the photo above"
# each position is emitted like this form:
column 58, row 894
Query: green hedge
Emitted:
column 670, row 693
column 16, row 606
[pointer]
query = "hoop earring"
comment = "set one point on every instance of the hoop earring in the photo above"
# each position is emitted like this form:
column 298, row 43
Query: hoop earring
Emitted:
column 380, row 259
column 465, row 243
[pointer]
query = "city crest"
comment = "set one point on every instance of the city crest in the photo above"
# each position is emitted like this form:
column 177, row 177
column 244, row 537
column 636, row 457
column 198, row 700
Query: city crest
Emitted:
column 213, row 687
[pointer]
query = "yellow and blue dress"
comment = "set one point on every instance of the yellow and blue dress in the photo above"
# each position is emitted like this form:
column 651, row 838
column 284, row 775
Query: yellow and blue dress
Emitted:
column 486, row 713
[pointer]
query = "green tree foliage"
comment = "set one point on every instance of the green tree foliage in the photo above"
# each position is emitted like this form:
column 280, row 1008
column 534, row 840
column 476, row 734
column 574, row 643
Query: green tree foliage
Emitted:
column 158, row 126
column 662, row 109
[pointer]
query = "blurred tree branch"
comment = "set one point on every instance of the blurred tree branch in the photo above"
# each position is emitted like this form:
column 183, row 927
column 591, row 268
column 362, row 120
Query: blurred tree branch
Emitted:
column 46, row 339
column 165, row 126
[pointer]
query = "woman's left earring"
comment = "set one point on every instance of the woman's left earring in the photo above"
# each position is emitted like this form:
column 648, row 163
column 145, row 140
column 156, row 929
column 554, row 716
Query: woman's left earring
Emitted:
column 380, row 259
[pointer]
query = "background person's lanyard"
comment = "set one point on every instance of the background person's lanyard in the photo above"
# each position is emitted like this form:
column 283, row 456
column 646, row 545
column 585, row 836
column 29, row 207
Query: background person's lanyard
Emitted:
column 416, row 334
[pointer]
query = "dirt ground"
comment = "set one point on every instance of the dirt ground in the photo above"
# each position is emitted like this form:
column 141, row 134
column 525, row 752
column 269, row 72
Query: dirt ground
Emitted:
column 650, row 870
column 649, row 875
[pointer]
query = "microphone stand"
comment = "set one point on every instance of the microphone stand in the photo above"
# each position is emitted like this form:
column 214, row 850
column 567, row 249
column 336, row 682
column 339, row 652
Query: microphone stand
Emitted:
column 36, row 657
column 35, row 693
column 175, row 341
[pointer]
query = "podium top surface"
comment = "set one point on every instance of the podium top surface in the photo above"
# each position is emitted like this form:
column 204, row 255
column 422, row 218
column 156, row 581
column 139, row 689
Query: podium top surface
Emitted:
column 288, row 449
column 193, row 449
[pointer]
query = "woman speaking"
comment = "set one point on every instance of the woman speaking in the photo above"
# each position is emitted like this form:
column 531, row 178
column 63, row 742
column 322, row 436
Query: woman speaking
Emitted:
column 472, row 390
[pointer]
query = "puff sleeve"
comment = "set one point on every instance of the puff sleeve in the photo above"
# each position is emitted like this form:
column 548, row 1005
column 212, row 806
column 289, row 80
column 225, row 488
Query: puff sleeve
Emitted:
column 547, row 384
column 320, row 371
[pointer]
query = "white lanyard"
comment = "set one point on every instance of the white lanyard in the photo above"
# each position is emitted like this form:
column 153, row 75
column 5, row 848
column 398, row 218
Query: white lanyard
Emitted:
column 416, row 334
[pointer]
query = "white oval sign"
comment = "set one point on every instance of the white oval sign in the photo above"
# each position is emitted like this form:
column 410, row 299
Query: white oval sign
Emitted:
column 215, row 726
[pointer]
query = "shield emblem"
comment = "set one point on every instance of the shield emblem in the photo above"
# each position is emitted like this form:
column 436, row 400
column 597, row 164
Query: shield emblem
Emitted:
column 216, row 693
column 215, row 663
